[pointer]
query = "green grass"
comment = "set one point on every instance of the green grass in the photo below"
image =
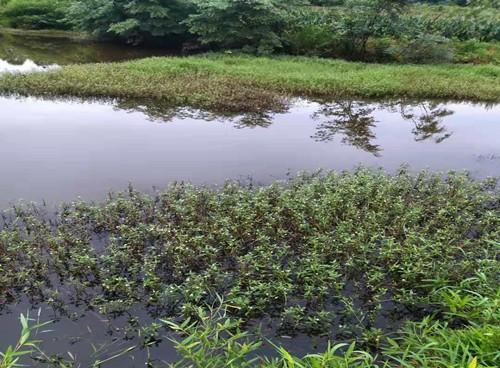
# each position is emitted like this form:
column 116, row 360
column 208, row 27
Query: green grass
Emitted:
column 245, row 83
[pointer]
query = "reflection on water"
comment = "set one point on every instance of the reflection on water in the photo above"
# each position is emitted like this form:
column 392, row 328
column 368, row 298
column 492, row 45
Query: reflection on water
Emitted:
column 16, row 49
column 427, row 118
column 71, row 148
column 352, row 121
column 58, row 150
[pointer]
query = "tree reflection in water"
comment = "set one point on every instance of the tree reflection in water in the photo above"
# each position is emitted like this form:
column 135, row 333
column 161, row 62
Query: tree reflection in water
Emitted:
column 355, row 122
column 164, row 113
column 427, row 118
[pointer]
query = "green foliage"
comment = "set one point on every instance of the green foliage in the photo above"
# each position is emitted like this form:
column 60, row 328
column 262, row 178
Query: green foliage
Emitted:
column 35, row 14
column 364, row 19
column 422, row 49
column 135, row 21
column 481, row 24
column 253, row 25
column 372, row 31
column 433, row 344
column 368, row 30
column 310, row 32
column 341, row 241
column 475, row 300
column 26, row 345
column 343, row 245
column 216, row 340
column 476, row 52
column 213, row 340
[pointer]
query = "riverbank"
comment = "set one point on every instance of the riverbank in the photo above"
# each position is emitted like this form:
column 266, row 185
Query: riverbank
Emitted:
column 244, row 83
column 352, row 257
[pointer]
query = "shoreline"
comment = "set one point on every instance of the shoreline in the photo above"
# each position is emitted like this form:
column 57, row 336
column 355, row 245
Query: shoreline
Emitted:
column 237, row 83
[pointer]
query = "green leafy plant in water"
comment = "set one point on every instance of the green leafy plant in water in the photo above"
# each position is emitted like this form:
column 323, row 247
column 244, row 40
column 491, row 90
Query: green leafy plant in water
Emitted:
column 25, row 346
column 213, row 340
column 331, row 254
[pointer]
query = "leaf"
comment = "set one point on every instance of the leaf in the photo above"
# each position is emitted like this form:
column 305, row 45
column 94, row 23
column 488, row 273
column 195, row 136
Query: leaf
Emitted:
column 473, row 363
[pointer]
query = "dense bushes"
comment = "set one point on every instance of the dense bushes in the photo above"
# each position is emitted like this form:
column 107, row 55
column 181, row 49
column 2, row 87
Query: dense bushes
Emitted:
column 482, row 24
column 35, row 14
column 420, row 49
column 252, row 25
column 363, row 30
column 368, row 30
column 133, row 21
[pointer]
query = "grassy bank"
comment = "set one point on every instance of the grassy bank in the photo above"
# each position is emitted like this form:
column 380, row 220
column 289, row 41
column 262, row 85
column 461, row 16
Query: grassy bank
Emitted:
column 245, row 83
column 353, row 257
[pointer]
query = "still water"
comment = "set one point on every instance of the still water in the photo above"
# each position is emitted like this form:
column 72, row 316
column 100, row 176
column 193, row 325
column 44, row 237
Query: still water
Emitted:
column 55, row 150
column 17, row 48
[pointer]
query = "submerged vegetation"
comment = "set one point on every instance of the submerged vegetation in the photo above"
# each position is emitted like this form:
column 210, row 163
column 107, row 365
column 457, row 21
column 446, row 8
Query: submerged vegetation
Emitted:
column 401, row 268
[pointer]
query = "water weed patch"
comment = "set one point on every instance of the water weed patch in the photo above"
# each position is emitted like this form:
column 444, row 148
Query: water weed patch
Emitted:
column 348, row 256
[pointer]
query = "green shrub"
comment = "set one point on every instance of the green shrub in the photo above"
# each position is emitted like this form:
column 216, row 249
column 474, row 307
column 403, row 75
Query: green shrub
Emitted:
column 422, row 49
column 36, row 14
column 476, row 52
column 310, row 32
column 134, row 22
column 367, row 19
column 253, row 25
column 462, row 23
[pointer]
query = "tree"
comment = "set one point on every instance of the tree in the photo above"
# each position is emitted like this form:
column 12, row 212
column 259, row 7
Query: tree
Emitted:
column 364, row 19
column 132, row 20
column 254, row 25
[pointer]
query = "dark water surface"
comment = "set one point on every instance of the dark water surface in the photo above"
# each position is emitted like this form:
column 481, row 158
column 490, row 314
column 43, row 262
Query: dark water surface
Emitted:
column 46, row 50
column 58, row 150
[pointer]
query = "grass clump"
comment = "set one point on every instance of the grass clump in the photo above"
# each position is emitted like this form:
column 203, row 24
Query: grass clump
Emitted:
column 256, row 84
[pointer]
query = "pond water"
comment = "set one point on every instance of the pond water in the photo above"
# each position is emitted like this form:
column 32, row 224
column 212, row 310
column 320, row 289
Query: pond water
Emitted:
column 17, row 48
column 55, row 150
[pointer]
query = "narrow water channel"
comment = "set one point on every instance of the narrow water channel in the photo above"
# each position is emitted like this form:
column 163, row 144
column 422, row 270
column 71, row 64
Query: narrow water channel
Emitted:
column 55, row 150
